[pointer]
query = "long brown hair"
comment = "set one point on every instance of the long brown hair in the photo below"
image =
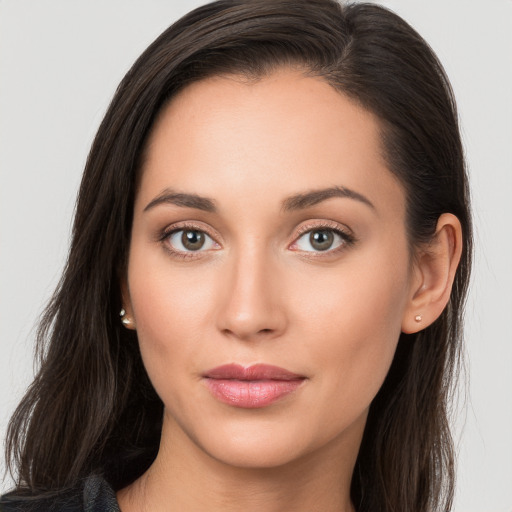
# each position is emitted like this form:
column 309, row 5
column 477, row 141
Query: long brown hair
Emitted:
column 75, row 420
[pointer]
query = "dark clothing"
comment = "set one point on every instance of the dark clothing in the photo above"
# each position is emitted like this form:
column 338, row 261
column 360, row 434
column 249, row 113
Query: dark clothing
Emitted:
column 92, row 495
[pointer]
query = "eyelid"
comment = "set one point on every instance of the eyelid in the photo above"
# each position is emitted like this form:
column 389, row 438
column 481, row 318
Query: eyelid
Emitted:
column 311, row 225
column 341, row 230
column 166, row 233
column 319, row 224
column 186, row 225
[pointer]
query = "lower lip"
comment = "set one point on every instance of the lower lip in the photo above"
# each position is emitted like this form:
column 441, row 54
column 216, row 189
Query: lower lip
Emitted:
column 251, row 394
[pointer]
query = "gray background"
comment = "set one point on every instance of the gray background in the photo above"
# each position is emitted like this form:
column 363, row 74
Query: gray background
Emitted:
column 60, row 61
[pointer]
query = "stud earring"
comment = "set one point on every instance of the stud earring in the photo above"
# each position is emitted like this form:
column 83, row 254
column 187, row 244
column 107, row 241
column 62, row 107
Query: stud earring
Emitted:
column 418, row 318
column 124, row 319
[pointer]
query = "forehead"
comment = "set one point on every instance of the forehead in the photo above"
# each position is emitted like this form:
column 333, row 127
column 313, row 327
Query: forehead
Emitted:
column 286, row 132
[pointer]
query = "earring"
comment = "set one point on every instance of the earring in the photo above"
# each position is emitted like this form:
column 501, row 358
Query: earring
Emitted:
column 418, row 318
column 124, row 319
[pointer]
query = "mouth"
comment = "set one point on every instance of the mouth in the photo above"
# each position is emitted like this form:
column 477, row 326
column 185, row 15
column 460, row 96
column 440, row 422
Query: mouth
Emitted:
column 251, row 387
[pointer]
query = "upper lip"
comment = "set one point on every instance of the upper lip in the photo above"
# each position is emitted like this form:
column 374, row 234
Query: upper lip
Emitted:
column 254, row 372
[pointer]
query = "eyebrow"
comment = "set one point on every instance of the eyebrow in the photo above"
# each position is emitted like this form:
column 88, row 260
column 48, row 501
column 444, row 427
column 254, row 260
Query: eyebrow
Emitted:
column 308, row 199
column 169, row 196
column 296, row 202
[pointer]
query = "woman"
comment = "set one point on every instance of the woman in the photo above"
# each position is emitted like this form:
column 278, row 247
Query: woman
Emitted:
column 262, row 303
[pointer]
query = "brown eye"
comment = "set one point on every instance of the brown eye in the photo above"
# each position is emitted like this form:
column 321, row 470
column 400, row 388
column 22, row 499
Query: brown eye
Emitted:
column 190, row 240
column 321, row 240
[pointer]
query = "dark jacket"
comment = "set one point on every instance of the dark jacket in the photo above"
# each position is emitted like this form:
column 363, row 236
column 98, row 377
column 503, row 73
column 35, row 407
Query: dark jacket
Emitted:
column 92, row 495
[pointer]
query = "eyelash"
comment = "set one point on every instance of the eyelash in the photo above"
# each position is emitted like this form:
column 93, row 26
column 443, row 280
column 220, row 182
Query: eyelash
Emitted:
column 348, row 239
column 168, row 232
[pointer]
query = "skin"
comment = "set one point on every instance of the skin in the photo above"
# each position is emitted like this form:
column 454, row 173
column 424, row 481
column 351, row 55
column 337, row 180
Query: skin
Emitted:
column 259, row 292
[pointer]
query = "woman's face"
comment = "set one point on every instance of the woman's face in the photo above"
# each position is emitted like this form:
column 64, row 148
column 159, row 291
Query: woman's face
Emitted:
column 267, row 231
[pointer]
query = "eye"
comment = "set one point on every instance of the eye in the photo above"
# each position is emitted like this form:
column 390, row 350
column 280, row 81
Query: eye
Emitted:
column 322, row 240
column 190, row 240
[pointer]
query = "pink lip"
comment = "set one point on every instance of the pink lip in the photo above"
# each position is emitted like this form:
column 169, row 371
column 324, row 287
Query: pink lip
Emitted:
column 252, row 387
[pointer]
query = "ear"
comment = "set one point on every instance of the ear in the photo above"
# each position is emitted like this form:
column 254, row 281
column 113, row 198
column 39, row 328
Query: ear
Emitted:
column 433, row 274
column 126, row 313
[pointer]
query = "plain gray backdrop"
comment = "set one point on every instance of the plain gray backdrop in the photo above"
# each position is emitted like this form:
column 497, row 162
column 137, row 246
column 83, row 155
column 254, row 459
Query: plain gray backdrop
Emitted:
column 60, row 62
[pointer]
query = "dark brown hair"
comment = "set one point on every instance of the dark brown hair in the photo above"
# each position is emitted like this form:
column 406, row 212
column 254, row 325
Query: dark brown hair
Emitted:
column 75, row 419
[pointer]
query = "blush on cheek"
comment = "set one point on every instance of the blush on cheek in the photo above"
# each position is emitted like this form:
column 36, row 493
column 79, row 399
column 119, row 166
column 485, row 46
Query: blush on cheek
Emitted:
column 360, row 329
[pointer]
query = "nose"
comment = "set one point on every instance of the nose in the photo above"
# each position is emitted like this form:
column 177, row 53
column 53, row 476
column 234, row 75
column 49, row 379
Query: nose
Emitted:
column 252, row 305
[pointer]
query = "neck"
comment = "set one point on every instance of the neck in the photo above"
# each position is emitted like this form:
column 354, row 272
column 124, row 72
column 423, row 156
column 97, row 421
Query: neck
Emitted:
column 185, row 478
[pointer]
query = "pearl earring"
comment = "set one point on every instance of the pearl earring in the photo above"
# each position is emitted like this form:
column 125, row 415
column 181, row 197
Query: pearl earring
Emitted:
column 124, row 319
column 418, row 318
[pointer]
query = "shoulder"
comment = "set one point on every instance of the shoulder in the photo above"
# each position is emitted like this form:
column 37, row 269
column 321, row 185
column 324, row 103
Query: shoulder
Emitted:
column 94, row 494
column 68, row 501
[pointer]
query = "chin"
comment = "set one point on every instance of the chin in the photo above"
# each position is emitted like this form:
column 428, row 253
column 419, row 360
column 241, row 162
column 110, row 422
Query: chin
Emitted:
column 253, row 440
column 258, row 453
column 262, row 441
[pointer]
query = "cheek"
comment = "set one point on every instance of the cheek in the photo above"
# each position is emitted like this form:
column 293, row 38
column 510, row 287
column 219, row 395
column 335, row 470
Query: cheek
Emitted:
column 171, row 307
column 353, row 323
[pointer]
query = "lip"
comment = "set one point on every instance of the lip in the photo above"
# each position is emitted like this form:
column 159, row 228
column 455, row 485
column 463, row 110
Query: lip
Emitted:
column 251, row 387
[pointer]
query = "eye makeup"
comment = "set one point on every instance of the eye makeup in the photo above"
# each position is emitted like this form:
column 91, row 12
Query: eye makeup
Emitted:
column 313, row 239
